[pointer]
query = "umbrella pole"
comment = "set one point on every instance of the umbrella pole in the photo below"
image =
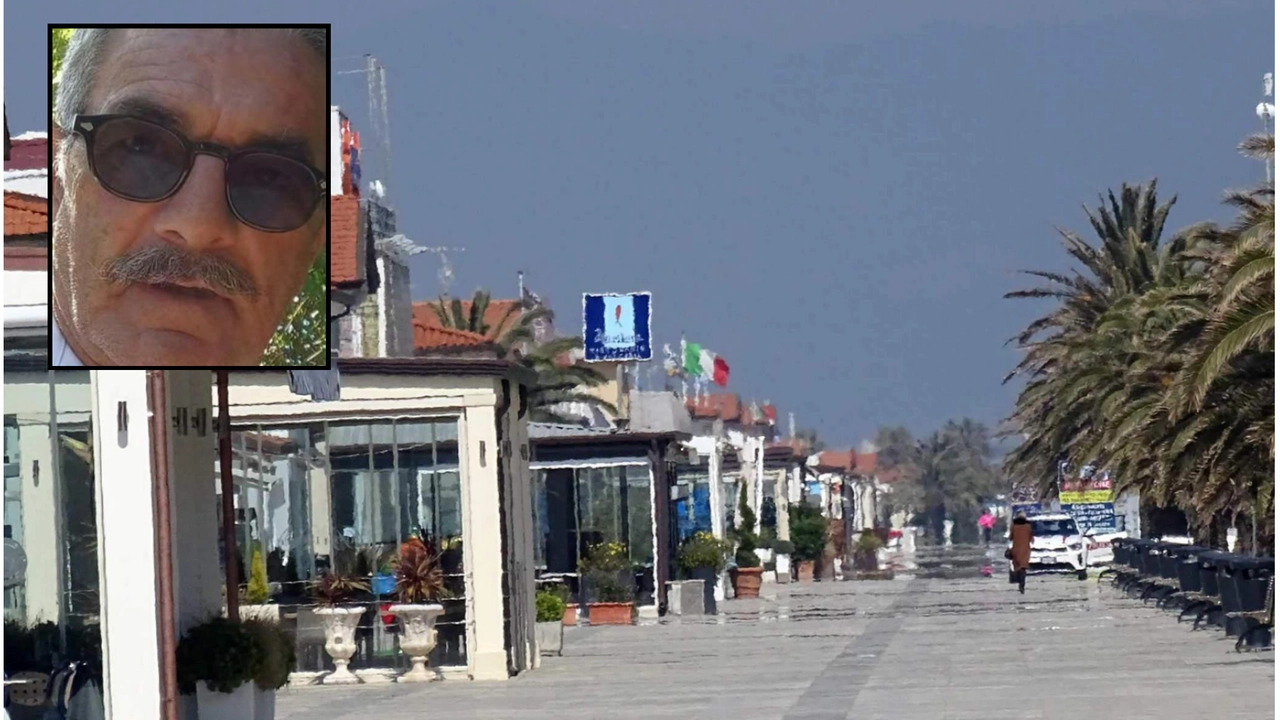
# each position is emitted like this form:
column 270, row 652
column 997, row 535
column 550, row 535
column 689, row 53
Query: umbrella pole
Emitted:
column 229, row 552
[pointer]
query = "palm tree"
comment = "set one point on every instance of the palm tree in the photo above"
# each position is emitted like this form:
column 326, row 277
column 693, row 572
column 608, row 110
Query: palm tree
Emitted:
column 560, row 381
column 1055, row 409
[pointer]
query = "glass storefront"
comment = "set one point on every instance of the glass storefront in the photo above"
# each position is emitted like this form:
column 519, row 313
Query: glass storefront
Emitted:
column 51, row 585
column 345, row 495
column 577, row 507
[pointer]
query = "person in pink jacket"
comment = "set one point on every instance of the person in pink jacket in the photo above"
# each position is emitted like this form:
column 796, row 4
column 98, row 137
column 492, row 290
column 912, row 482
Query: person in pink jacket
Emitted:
column 987, row 522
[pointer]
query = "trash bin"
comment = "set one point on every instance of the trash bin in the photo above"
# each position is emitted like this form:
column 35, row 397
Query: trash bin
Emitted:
column 1249, row 576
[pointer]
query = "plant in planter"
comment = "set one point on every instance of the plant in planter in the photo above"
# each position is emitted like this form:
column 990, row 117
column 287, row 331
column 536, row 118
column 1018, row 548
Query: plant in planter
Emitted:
column 279, row 660
column 809, row 535
column 331, row 592
column 419, row 582
column 747, row 577
column 258, row 592
column 782, row 552
column 864, row 552
column 217, row 661
column 605, row 567
column 702, row 557
column 550, row 625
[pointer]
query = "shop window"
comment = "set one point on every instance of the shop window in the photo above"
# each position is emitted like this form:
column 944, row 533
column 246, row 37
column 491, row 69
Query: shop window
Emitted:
column 51, row 584
column 348, row 494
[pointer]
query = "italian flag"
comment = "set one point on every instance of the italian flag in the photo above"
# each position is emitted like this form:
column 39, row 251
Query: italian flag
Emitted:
column 699, row 362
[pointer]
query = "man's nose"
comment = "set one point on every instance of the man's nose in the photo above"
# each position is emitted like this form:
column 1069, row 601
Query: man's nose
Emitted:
column 198, row 212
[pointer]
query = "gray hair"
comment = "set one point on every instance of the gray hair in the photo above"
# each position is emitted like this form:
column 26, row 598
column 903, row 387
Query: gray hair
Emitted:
column 84, row 56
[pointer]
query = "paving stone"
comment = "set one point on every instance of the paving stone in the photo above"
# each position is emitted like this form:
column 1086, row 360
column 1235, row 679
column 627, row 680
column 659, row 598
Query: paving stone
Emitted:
column 909, row 649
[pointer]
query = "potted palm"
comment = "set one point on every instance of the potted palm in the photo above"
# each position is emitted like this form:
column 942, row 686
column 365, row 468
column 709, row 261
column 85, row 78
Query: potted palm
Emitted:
column 748, row 574
column 702, row 557
column 611, row 601
column 419, row 582
column 550, row 625
column 332, row 592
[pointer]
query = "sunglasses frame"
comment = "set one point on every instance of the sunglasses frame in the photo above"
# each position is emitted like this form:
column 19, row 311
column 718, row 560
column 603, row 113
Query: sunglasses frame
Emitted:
column 86, row 126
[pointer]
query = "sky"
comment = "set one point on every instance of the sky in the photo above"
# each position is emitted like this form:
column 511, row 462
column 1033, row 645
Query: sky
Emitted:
column 833, row 196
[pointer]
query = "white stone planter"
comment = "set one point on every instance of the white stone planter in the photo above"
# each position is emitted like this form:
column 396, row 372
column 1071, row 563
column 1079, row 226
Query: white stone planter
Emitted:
column 419, row 638
column 340, row 641
column 264, row 704
column 550, row 637
column 266, row 613
column 236, row 705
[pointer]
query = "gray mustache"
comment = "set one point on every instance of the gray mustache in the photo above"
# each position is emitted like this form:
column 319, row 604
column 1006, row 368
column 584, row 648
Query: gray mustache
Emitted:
column 167, row 264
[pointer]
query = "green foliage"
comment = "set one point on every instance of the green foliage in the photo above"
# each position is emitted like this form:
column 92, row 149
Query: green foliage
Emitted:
column 745, row 532
column 220, row 653
column 333, row 589
column 703, row 550
column 278, row 656
column 258, row 591
column 550, row 606
column 867, row 541
column 302, row 336
column 609, row 557
column 808, row 531
column 59, row 39
column 1157, row 360
column 557, row 382
column 784, row 547
column 608, row 587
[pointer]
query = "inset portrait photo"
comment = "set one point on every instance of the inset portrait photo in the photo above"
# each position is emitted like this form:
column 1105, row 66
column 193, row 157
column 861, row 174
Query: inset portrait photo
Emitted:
column 189, row 185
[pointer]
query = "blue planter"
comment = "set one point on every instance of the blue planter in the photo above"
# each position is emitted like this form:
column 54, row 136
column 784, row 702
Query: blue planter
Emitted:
column 384, row 584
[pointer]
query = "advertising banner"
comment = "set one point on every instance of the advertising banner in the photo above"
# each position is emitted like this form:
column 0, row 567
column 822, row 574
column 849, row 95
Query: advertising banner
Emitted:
column 1098, row 517
column 616, row 327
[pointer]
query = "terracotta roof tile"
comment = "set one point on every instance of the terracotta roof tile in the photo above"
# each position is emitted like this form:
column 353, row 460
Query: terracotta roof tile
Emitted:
column 864, row 463
column 836, row 460
column 434, row 338
column 344, row 227
column 424, row 316
column 25, row 215
column 726, row 406
column 28, row 154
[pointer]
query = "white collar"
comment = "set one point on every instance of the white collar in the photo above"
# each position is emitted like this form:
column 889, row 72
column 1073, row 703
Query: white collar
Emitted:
column 62, row 355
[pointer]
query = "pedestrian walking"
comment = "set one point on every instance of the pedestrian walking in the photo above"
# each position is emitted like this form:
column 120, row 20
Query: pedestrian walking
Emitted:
column 1019, row 552
column 987, row 522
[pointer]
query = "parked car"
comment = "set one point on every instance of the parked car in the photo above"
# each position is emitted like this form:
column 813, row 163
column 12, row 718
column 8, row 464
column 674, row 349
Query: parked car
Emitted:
column 1057, row 546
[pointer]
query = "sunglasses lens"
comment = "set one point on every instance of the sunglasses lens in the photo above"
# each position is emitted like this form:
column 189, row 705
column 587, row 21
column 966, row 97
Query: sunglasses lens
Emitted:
column 138, row 159
column 272, row 192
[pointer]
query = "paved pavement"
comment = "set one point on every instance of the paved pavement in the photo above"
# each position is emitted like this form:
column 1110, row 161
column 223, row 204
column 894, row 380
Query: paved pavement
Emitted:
column 907, row 649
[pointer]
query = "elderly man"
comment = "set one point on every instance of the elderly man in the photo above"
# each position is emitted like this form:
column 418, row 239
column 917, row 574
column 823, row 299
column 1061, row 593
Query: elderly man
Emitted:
column 189, row 180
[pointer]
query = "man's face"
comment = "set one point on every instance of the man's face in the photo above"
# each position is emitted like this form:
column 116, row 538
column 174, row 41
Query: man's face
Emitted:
column 230, row 87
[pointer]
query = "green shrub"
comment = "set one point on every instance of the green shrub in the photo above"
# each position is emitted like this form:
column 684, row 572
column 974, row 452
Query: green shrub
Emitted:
column 258, row 591
column 220, row 653
column 784, row 547
column 808, row 531
column 745, row 557
column 278, row 656
column 606, row 587
column 703, row 550
column 550, row 606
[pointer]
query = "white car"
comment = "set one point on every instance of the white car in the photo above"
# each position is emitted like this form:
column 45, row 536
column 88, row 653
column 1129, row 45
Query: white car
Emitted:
column 1057, row 546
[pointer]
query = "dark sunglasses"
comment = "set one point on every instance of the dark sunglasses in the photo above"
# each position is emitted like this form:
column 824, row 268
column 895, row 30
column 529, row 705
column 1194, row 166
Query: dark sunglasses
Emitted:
column 143, row 161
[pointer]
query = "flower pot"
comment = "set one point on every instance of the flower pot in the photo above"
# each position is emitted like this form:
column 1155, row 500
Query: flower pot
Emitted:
column 235, row 705
column 570, row 615
column 419, row 638
column 264, row 612
column 550, row 636
column 708, row 576
column 264, row 704
column 340, row 641
column 746, row 582
column 804, row 570
column 383, row 584
column 609, row 613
